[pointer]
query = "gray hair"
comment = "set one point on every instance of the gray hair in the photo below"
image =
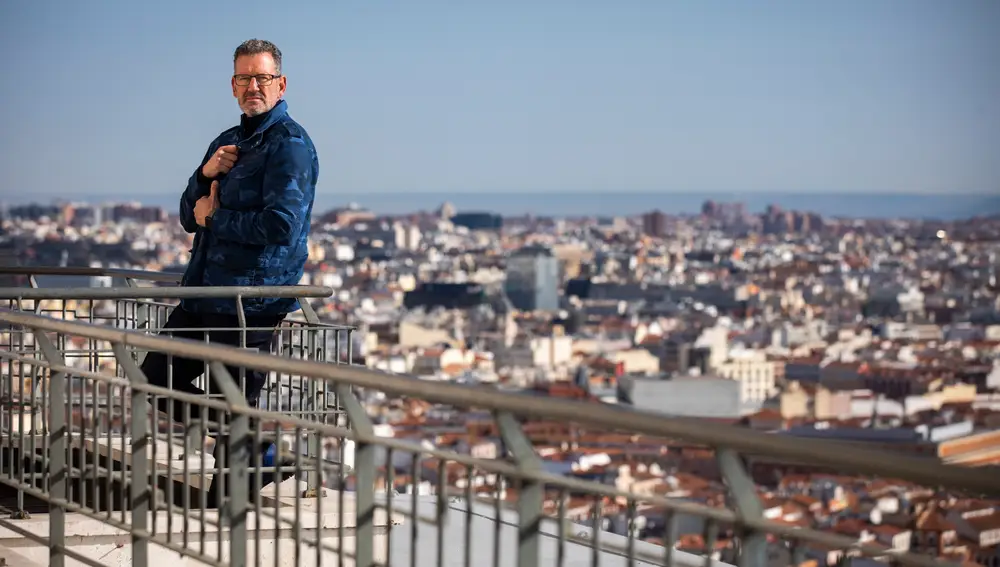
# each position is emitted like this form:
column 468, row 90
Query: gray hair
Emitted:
column 255, row 46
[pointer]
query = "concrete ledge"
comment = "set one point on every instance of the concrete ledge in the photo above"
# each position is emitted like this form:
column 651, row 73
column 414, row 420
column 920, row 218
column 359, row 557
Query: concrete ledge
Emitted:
column 14, row 558
column 483, row 520
column 278, row 545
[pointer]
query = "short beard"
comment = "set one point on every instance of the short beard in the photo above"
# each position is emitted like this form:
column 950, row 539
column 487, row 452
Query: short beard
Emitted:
column 256, row 110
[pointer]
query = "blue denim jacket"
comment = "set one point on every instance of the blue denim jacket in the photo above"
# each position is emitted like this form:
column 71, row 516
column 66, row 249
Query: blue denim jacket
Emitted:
column 259, row 235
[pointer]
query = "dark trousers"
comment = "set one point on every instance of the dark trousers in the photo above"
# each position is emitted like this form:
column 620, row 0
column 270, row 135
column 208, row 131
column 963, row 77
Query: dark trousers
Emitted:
column 185, row 324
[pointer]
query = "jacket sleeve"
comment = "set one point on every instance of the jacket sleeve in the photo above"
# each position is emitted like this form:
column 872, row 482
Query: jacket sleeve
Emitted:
column 288, row 193
column 198, row 186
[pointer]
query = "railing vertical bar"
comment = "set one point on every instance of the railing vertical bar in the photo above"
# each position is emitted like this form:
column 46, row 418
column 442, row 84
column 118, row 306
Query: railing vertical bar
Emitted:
column 17, row 405
column 297, row 527
column 415, row 463
column 170, row 467
column 470, row 473
column 364, row 476
column 39, row 382
column 9, row 415
column 186, row 477
column 710, row 536
column 142, row 322
column 110, row 402
column 47, row 430
column 202, row 474
column 341, row 483
column 142, row 490
column 95, row 439
column 630, row 532
column 87, row 421
column 234, row 462
column 561, row 518
column 67, row 402
column 59, row 452
column 532, row 497
column 278, row 528
column 669, row 537
column 595, row 531
column 498, row 483
column 258, row 501
column 390, row 493
column 313, row 478
column 320, row 495
column 753, row 545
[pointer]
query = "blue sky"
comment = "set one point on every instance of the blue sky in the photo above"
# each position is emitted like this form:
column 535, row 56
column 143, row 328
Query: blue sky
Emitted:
column 112, row 97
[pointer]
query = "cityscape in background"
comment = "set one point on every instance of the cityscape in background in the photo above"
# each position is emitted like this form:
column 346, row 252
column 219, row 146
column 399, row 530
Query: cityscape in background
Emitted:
column 884, row 332
column 850, row 204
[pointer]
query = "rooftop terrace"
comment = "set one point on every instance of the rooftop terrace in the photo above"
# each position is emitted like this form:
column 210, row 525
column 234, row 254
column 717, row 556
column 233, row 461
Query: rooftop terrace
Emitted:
column 92, row 476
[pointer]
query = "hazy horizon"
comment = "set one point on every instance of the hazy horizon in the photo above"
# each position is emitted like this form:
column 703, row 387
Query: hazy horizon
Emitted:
column 622, row 203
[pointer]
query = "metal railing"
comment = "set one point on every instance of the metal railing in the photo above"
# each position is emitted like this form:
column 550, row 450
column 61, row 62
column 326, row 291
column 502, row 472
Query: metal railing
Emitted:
column 356, row 495
column 147, row 310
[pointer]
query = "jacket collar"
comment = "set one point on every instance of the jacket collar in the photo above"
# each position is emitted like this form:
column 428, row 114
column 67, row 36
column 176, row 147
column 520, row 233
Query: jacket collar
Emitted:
column 269, row 119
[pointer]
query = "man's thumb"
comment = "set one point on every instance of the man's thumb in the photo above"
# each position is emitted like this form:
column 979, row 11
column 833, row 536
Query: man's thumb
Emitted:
column 214, row 189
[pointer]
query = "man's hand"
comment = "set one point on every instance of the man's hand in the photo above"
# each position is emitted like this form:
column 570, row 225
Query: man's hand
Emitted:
column 206, row 206
column 221, row 162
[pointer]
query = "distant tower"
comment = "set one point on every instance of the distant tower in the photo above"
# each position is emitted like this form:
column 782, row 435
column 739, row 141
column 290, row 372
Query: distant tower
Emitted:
column 533, row 279
column 446, row 211
column 654, row 224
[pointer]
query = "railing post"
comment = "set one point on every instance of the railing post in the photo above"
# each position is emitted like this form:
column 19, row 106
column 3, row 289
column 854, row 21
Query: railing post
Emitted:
column 237, row 459
column 314, row 479
column 58, row 456
column 364, row 475
column 753, row 544
column 141, row 490
column 142, row 324
column 36, row 380
column 532, row 497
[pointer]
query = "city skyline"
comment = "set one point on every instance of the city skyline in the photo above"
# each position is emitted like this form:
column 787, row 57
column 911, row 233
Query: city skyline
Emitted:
column 871, row 206
column 848, row 97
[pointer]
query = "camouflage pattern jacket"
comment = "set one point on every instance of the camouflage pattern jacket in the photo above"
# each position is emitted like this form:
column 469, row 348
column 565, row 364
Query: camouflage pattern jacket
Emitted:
column 259, row 233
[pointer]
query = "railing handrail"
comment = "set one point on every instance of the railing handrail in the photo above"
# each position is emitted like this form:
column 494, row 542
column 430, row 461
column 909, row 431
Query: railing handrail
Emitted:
column 826, row 453
column 96, row 293
column 173, row 277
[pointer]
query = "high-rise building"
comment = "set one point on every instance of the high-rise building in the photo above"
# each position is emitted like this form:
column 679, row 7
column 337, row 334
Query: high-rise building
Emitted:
column 654, row 224
column 407, row 236
column 533, row 279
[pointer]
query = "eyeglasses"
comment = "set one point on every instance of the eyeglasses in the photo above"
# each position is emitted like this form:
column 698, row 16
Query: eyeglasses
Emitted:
column 262, row 80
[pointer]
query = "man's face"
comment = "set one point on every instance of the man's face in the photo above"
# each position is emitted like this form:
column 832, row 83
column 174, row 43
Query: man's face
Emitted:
column 251, row 71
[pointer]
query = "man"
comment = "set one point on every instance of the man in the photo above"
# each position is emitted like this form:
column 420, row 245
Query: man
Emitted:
column 249, row 204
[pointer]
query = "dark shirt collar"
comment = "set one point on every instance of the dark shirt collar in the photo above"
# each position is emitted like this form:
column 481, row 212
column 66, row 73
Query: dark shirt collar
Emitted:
column 251, row 125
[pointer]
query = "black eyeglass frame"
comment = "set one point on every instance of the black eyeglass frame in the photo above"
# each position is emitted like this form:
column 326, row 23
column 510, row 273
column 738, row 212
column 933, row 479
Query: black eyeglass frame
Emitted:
column 263, row 79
